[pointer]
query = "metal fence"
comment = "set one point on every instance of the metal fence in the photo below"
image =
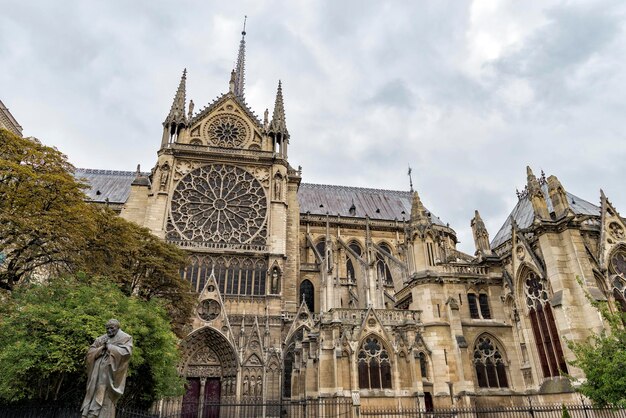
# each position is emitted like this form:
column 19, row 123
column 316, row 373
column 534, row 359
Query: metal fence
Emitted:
column 315, row 408
column 530, row 411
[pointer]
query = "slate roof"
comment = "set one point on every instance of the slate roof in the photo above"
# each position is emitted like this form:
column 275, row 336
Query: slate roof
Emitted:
column 317, row 199
column 114, row 185
column 523, row 214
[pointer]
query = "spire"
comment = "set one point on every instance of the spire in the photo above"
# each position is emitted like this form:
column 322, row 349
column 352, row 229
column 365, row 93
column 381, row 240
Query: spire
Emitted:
column 278, row 124
column 419, row 215
column 177, row 111
column 241, row 61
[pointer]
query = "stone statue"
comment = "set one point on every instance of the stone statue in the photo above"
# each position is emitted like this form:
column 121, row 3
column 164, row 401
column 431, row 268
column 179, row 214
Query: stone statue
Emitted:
column 107, row 364
column 275, row 281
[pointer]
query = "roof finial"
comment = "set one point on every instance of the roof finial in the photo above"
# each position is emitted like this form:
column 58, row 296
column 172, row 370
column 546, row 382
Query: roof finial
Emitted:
column 241, row 58
column 278, row 125
column 177, row 111
column 410, row 178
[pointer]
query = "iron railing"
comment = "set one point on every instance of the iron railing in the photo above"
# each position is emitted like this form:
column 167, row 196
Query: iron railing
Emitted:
column 316, row 408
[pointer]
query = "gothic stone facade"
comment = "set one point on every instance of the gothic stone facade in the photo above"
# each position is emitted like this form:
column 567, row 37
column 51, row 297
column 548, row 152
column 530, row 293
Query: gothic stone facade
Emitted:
column 309, row 291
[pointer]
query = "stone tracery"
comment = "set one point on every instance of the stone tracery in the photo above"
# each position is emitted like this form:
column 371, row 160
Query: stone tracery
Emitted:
column 220, row 203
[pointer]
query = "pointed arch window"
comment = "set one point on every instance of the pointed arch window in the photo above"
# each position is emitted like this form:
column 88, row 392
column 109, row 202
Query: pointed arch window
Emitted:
column 489, row 364
column 382, row 268
column 350, row 272
column 544, row 326
column 307, row 294
column 234, row 275
column 617, row 267
column 423, row 360
column 374, row 365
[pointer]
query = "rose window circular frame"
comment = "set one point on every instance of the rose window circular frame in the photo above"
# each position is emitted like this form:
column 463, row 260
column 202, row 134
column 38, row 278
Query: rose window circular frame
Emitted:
column 227, row 131
column 220, row 203
column 209, row 309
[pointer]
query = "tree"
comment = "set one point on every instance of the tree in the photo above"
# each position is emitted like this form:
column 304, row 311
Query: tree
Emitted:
column 47, row 229
column 45, row 330
column 43, row 215
column 143, row 264
column 603, row 360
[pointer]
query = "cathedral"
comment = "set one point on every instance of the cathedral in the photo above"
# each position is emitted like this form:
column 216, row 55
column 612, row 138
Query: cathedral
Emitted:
column 308, row 291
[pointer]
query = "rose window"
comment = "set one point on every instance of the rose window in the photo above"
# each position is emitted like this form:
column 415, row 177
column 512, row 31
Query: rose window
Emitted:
column 220, row 203
column 227, row 131
column 209, row 309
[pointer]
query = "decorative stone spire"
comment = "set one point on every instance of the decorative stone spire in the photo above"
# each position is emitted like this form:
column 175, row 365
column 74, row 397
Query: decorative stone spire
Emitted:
column 481, row 235
column 536, row 195
column 239, row 75
column 177, row 111
column 419, row 215
column 278, row 124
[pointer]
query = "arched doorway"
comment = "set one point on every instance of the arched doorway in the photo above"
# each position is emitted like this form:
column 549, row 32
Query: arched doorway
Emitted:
column 210, row 367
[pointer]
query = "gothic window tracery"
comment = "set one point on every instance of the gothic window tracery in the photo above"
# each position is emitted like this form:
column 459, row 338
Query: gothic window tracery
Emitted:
column 234, row 275
column 382, row 268
column 374, row 365
column 619, row 292
column 489, row 364
column 617, row 267
column 544, row 326
column 227, row 131
column 220, row 203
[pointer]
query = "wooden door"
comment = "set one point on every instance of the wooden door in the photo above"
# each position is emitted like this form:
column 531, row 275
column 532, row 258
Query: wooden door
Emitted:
column 212, row 393
column 191, row 398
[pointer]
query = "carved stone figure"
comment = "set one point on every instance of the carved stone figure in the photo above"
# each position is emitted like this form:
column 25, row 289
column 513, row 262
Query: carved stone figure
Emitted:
column 275, row 281
column 107, row 365
column 165, row 175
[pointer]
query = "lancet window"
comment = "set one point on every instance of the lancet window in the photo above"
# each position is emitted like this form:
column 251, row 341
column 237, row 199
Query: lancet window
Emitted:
column 374, row 365
column 350, row 272
column 234, row 275
column 544, row 326
column 479, row 306
column 307, row 294
column 489, row 364
column 382, row 268
column 617, row 267
column 423, row 360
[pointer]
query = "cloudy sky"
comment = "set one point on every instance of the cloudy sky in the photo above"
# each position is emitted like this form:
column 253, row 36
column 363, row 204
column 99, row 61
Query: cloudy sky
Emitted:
column 467, row 93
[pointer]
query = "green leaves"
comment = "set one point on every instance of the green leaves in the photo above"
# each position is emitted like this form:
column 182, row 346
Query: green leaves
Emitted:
column 45, row 331
column 67, row 267
column 603, row 360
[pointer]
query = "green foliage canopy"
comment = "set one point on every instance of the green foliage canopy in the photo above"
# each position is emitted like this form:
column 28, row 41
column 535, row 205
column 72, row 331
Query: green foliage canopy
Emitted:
column 603, row 360
column 45, row 330
column 48, row 229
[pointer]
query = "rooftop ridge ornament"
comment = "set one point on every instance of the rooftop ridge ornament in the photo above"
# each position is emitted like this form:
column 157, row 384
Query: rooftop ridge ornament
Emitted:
column 239, row 76
column 410, row 178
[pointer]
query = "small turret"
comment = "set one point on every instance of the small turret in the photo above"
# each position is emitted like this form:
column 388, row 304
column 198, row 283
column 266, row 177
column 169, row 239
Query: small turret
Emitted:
column 176, row 120
column 277, row 129
column 481, row 235
column 557, row 196
column 535, row 195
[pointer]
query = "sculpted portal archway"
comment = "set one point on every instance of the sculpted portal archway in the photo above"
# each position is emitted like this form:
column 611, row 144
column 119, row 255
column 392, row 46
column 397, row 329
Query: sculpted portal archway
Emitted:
column 209, row 363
